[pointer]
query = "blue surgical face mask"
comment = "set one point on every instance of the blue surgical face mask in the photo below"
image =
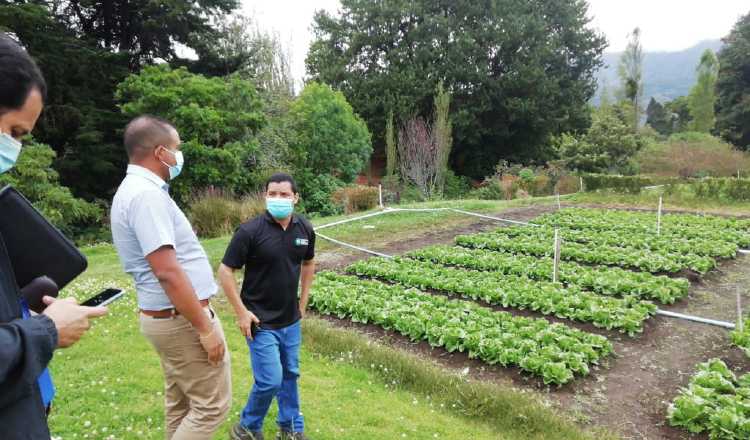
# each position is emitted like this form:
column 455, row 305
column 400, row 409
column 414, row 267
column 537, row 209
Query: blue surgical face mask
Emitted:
column 176, row 169
column 9, row 151
column 279, row 208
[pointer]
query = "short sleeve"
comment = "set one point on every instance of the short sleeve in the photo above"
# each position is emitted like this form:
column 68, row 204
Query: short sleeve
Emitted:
column 238, row 249
column 151, row 219
column 310, row 245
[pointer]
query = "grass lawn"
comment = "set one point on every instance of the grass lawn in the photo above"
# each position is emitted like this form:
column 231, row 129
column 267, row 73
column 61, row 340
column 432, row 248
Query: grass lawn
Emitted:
column 110, row 384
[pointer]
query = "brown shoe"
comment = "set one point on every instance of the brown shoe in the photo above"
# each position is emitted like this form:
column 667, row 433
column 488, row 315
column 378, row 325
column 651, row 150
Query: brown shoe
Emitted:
column 288, row 435
column 239, row 432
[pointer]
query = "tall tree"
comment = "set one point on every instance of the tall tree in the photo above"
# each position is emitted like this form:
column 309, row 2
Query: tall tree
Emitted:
column 733, row 86
column 145, row 29
column 443, row 133
column 81, row 121
column 518, row 72
column 678, row 111
column 631, row 75
column 240, row 46
column 702, row 98
column 658, row 118
column 391, row 152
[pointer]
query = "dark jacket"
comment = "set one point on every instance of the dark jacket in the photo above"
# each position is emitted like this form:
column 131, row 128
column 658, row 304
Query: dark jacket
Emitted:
column 26, row 347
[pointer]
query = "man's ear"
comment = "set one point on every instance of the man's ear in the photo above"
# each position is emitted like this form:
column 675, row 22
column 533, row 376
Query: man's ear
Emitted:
column 296, row 198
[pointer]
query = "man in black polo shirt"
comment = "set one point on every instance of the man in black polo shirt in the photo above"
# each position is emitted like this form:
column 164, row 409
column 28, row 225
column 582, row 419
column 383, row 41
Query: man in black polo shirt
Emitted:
column 277, row 250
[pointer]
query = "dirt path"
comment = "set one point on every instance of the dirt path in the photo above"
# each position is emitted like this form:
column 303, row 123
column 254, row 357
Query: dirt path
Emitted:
column 629, row 394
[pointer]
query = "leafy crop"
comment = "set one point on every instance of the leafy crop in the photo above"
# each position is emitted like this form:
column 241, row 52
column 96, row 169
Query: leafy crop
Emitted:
column 591, row 253
column 602, row 280
column 554, row 352
column 626, row 314
column 715, row 401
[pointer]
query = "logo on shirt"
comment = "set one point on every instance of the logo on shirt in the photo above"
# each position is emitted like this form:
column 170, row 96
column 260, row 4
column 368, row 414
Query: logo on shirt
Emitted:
column 301, row 242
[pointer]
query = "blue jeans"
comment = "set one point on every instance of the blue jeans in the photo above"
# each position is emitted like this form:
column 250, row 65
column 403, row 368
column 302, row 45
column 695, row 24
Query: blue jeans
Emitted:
column 275, row 361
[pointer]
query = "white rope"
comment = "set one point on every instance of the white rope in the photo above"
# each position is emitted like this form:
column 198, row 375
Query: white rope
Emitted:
column 515, row 222
column 341, row 243
column 349, row 220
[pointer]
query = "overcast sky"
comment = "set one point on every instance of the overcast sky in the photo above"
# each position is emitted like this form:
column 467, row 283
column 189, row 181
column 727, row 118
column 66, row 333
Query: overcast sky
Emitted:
column 666, row 25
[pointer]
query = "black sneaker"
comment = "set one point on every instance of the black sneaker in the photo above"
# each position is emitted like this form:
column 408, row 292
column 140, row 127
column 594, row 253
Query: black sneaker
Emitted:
column 239, row 432
column 288, row 435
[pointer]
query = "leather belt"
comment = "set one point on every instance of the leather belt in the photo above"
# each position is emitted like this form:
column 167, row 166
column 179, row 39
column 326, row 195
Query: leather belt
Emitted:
column 169, row 313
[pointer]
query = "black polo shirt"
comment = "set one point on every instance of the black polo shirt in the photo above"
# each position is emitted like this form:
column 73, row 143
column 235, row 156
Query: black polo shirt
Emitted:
column 272, row 258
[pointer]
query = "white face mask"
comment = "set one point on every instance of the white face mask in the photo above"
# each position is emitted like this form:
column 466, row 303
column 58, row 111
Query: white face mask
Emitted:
column 9, row 151
column 175, row 170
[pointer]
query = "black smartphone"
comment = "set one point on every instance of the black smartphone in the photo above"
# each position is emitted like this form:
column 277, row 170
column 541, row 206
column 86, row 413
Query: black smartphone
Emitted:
column 253, row 330
column 105, row 297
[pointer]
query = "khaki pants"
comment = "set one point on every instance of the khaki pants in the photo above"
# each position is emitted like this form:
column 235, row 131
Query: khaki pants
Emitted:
column 197, row 395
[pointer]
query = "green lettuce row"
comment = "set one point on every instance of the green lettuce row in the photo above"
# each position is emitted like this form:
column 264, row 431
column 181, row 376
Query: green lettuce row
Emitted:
column 715, row 401
column 631, row 240
column 584, row 220
column 554, row 352
column 592, row 254
column 602, row 280
column 668, row 219
column 626, row 315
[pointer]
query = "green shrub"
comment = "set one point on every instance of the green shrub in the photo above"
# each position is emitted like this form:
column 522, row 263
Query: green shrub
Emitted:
column 34, row 177
column 728, row 189
column 356, row 198
column 567, row 185
column 329, row 140
column 391, row 189
column 692, row 154
column 217, row 118
column 490, row 190
column 622, row 184
column 316, row 195
column 608, row 145
column 456, row 187
column 214, row 213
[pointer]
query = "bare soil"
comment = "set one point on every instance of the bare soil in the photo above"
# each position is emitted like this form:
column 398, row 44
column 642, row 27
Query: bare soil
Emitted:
column 630, row 392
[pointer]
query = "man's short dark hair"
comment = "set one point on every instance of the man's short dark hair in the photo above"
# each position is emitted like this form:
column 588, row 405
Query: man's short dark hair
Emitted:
column 281, row 178
column 19, row 75
column 144, row 133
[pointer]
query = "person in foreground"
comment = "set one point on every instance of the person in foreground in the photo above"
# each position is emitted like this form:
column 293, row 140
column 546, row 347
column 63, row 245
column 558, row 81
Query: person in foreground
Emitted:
column 277, row 250
column 174, row 283
column 27, row 342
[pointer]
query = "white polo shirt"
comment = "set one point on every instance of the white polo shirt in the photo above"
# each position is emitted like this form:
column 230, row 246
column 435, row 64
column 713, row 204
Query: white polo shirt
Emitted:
column 144, row 218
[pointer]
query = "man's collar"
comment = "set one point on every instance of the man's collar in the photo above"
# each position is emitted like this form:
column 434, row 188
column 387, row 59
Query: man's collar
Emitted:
column 137, row 170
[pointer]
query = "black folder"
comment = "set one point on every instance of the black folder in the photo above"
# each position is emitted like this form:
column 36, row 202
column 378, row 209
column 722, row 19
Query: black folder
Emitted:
column 36, row 248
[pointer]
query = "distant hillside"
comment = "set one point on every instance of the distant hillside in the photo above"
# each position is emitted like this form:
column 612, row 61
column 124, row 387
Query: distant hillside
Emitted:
column 667, row 75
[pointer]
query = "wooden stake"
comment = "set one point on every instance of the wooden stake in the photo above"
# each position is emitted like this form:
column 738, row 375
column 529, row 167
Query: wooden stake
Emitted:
column 581, row 182
column 556, row 261
column 658, row 218
column 740, row 325
column 558, row 201
column 380, row 195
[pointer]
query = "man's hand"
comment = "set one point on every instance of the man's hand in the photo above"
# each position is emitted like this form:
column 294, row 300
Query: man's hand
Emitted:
column 71, row 320
column 214, row 346
column 302, row 311
column 245, row 321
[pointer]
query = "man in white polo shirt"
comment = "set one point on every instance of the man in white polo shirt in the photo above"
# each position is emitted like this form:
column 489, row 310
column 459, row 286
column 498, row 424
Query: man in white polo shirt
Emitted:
column 174, row 282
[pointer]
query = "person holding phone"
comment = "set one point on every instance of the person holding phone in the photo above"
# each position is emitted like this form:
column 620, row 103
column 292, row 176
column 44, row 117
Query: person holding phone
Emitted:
column 174, row 282
column 27, row 342
column 277, row 250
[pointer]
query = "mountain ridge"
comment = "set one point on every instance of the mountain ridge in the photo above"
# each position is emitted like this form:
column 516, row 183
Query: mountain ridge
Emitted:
column 666, row 74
